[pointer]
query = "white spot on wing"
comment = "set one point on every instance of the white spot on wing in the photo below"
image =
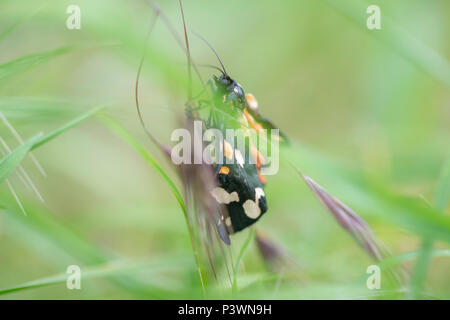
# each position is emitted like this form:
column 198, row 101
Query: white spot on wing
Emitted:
column 251, row 209
column 259, row 193
column 222, row 196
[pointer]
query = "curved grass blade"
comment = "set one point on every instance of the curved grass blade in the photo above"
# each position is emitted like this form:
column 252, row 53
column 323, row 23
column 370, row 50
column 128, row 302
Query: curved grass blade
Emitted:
column 108, row 269
column 22, row 109
column 395, row 260
column 354, row 225
column 399, row 40
column 442, row 190
column 33, row 158
column 19, row 22
column 364, row 195
column 13, row 159
column 441, row 198
column 123, row 133
column 60, row 244
column 69, row 125
column 24, row 63
column 348, row 219
column 251, row 235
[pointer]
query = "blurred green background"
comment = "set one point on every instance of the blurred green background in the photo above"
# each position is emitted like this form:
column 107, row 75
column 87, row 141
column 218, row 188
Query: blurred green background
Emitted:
column 368, row 112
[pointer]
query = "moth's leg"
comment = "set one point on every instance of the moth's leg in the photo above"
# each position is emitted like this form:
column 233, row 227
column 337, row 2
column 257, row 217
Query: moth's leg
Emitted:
column 213, row 89
column 197, row 96
column 202, row 104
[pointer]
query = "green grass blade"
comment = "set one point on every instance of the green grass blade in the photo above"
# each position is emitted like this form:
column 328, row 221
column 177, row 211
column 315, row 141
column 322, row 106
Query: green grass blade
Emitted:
column 441, row 198
column 366, row 196
column 442, row 190
column 395, row 260
column 398, row 39
column 41, row 109
column 13, row 159
column 61, row 245
column 251, row 235
column 106, row 270
column 29, row 61
column 7, row 31
column 69, row 125
column 10, row 29
column 123, row 133
column 420, row 270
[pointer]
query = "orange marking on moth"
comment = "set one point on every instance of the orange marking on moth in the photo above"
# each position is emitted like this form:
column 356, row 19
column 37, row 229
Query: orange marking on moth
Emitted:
column 251, row 121
column 257, row 156
column 261, row 177
column 251, row 101
column 224, row 170
column 248, row 116
column 228, row 150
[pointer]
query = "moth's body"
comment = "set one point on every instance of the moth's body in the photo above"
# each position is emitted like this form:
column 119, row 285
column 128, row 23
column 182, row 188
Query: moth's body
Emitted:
column 240, row 184
column 247, row 202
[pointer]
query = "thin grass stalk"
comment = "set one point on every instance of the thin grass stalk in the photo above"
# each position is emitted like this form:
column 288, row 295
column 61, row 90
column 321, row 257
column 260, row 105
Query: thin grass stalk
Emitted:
column 116, row 127
column 441, row 196
column 251, row 235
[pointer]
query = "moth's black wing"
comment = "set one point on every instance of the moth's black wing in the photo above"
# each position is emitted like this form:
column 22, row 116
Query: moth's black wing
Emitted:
column 245, row 182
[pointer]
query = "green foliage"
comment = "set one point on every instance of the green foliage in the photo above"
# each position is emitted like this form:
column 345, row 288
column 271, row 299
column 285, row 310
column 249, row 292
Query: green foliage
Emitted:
column 24, row 63
column 374, row 104
column 440, row 201
column 250, row 237
column 12, row 160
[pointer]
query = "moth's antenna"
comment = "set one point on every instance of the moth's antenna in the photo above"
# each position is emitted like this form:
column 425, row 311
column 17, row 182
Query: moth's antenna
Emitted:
column 213, row 67
column 211, row 47
column 188, row 52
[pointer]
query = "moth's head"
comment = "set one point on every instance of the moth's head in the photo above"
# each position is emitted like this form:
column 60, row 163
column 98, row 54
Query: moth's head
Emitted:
column 231, row 90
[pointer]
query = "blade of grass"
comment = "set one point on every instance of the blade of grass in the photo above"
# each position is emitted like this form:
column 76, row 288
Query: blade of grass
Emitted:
column 69, row 125
column 22, row 109
column 399, row 40
column 19, row 22
column 442, row 190
column 441, row 197
column 364, row 195
column 347, row 219
column 13, row 159
column 24, row 63
column 108, row 269
column 124, row 134
column 251, row 235
column 395, row 260
column 48, row 236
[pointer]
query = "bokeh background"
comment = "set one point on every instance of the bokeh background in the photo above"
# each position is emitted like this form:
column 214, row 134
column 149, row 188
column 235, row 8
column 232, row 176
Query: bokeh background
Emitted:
column 368, row 113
